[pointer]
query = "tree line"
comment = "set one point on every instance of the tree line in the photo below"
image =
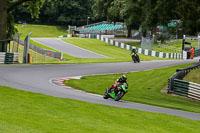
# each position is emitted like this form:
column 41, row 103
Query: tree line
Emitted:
column 57, row 12
column 146, row 14
column 150, row 13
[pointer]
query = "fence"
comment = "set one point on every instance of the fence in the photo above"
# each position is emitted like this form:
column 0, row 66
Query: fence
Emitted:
column 187, row 89
column 142, row 51
column 197, row 53
column 177, row 50
column 42, row 51
column 180, row 87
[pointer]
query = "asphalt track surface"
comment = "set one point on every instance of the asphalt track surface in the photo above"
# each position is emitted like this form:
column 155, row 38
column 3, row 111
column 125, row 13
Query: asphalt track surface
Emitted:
column 67, row 48
column 38, row 79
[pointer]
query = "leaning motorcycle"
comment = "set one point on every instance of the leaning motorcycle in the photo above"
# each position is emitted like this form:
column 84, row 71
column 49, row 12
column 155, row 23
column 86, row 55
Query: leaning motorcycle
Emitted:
column 135, row 58
column 117, row 94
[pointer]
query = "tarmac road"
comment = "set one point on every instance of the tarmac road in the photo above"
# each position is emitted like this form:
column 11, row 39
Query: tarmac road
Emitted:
column 67, row 48
column 37, row 78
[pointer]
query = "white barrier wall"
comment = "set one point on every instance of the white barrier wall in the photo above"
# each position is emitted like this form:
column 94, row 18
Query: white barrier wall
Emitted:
column 2, row 57
column 106, row 39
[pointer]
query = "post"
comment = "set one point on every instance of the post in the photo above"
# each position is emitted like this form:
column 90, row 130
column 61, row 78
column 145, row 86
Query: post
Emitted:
column 26, row 48
column 198, row 41
column 88, row 20
column 183, row 45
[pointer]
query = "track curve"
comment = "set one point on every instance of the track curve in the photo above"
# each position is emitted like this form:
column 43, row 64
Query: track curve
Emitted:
column 36, row 78
column 67, row 48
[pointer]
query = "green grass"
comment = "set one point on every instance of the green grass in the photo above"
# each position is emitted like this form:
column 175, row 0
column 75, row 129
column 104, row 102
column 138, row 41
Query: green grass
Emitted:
column 144, row 87
column 26, row 112
column 136, row 44
column 193, row 76
column 41, row 30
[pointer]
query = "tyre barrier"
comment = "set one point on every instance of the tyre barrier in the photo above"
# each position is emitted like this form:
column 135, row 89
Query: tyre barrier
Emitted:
column 8, row 58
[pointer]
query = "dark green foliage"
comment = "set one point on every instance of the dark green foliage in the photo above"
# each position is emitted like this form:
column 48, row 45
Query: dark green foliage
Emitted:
column 59, row 12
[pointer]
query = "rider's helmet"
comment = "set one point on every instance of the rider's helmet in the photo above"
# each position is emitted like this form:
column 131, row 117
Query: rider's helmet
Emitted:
column 134, row 50
column 124, row 77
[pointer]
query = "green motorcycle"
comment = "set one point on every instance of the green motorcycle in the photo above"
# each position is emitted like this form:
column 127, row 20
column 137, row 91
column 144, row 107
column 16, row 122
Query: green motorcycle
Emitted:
column 116, row 93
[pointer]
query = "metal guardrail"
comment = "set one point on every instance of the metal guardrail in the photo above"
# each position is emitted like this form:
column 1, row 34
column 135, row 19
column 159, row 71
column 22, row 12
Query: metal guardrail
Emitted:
column 187, row 89
column 180, row 87
column 42, row 51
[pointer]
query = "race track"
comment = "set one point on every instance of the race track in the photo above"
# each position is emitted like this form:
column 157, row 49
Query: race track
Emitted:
column 38, row 78
column 67, row 48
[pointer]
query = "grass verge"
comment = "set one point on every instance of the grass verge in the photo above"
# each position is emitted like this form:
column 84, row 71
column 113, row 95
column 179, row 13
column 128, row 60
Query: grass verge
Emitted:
column 193, row 76
column 27, row 112
column 144, row 87
column 40, row 30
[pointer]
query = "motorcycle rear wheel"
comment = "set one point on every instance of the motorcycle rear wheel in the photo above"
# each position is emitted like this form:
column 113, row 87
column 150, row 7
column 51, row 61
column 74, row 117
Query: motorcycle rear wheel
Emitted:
column 138, row 58
column 105, row 96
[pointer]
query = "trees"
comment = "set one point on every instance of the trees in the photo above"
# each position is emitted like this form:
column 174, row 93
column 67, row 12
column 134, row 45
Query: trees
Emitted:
column 150, row 13
column 6, row 7
column 58, row 12
column 161, row 12
column 73, row 12
column 113, row 11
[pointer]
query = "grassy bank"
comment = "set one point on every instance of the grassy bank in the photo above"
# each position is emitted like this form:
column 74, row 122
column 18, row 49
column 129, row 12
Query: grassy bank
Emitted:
column 144, row 87
column 26, row 112
column 193, row 76
column 40, row 30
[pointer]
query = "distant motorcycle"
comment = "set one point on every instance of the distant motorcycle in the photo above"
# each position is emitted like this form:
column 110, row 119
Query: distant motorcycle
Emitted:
column 116, row 93
column 135, row 57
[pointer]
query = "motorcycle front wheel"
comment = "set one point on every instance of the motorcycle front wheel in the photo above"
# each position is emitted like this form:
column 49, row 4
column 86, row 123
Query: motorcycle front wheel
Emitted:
column 119, row 95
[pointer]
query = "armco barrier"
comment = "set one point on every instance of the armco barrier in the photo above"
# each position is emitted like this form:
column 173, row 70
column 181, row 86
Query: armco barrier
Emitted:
column 42, row 51
column 188, row 89
column 142, row 51
column 180, row 87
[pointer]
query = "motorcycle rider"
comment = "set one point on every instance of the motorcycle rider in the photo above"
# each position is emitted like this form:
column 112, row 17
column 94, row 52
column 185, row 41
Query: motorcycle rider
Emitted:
column 119, row 81
column 134, row 55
